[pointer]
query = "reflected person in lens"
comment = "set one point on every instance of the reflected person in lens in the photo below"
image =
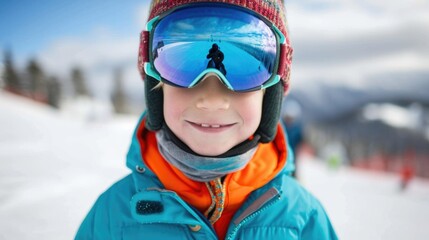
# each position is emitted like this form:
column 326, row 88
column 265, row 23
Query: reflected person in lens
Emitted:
column 216, row 57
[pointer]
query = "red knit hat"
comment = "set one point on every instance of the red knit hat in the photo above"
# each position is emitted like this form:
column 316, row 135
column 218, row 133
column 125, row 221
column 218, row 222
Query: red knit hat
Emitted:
column 273, row 10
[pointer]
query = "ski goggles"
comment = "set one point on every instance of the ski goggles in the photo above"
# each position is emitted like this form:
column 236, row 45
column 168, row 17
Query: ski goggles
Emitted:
column 242, row 47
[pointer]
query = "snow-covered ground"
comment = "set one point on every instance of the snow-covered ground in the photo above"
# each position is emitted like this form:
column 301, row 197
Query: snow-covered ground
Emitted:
column 53, row 166
column 369, row 205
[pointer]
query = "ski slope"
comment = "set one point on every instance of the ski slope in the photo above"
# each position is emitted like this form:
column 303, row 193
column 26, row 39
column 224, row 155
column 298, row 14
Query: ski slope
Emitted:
column 54, row 165
column 369, row 205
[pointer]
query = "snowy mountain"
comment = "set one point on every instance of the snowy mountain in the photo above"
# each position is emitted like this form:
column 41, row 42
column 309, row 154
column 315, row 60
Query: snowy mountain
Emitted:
column 53, row 166
column 323, row 100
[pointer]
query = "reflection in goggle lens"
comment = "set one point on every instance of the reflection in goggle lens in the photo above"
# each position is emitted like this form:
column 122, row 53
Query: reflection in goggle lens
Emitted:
column 237, row 44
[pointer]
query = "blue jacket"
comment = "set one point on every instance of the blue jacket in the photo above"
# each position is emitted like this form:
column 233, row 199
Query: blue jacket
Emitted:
column 138, row 207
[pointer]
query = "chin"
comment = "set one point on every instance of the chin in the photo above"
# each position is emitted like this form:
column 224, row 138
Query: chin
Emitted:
column 209, row 151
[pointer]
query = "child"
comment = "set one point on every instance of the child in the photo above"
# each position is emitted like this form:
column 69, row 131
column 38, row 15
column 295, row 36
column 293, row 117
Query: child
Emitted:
column 209, row 159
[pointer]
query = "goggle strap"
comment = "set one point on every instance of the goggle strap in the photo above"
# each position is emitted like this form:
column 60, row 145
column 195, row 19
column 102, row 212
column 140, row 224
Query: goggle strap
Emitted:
column 282, row 60
column 284, row 65
column 144, row 46
column 143, row 51
column 285, row 60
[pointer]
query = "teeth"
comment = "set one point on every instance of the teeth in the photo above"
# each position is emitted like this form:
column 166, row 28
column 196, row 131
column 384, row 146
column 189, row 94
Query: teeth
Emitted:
column 205, row 125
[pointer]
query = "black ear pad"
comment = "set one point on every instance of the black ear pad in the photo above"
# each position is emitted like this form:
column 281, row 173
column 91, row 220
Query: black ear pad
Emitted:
column 154, row 104
column 271, row 108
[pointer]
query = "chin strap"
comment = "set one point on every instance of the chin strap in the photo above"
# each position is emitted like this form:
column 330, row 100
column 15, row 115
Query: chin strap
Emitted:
column 235, row 151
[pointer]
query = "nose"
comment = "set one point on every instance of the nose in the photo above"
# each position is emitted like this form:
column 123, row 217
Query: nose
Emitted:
column 213, row 94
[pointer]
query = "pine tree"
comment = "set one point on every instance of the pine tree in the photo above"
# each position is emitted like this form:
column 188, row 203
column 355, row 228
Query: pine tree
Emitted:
column 54, row 92
column 10, row 77
column 79, row 82
column 37, row 82
column 118, row 95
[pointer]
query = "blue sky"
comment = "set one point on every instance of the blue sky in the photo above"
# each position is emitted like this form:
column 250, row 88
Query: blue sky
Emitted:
column 29, row 26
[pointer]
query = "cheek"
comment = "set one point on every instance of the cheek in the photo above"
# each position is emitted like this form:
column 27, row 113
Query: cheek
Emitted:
column 250, row 109
column 170, row 109
column 175, row 103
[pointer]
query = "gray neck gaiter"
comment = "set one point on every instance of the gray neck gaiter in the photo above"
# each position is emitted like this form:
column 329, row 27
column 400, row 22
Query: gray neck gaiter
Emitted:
column 199, row 168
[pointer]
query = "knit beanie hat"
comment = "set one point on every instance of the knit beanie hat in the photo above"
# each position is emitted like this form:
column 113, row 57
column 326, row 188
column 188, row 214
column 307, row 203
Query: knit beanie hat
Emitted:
column 273, row 10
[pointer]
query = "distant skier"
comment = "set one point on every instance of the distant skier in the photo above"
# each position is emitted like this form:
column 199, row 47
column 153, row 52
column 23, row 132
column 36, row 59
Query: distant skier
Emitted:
column 294, row 127
column 407, row 173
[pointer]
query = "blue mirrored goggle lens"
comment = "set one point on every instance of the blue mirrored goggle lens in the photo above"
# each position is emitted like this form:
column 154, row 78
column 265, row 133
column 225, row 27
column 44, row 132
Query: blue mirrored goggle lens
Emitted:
column 192, row 40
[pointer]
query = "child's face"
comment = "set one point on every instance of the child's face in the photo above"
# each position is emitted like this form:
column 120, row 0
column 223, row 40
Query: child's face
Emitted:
column 209, row 118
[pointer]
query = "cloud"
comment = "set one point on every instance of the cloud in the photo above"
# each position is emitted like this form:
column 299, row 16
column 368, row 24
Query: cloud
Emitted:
column 345, row 41
column 142, row 14
column 409, row 37
column 98, row 54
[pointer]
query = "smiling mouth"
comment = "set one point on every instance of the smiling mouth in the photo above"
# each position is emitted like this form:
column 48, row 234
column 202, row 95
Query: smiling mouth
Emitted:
column 211, row 126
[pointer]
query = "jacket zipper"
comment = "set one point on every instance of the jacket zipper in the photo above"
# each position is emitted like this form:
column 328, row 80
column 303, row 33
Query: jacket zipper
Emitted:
column 275, row 196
